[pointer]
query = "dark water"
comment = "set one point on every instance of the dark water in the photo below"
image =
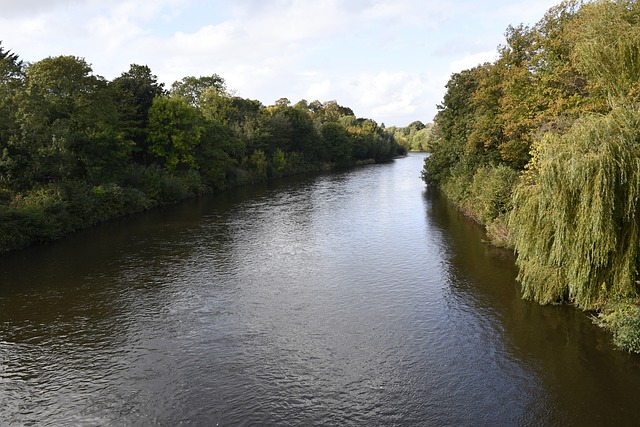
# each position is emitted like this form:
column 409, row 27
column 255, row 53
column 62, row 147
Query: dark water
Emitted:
column 356, row 298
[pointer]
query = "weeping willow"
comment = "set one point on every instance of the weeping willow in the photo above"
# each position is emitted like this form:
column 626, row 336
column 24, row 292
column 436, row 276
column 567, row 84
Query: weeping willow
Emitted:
column 608, row 47
column 575, row 221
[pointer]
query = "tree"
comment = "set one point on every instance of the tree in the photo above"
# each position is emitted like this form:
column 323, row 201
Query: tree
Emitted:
column 337, row 142
column 608, row 48
column 192, row 88
column 69, row 125
column 174, row 132
column 134, row 92
column 11, row 82
column 453, row 126
column 575, row 221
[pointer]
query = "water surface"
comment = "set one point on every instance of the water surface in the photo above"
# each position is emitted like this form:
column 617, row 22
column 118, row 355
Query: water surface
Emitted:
column 354, row 298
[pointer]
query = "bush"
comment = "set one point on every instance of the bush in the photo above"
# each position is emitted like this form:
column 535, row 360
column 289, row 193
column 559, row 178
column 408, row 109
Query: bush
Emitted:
column 135, row 200
column 173, row 189
column 622, row 318
column 192, row 182
column 38, row 215
column 491, row 190
column 109, row 201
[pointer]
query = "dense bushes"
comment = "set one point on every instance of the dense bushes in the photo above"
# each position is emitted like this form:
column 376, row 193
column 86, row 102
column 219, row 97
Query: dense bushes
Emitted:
column 48, row 212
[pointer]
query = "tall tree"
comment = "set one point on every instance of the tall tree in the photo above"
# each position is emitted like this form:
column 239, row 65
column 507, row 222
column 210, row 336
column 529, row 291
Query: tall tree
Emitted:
column 192, row 88
column 11, row 82
column 134, row 91
column 69, row 124
column 175, row 128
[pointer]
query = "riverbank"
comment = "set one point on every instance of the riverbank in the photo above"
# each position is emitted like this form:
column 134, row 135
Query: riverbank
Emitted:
column 619, row 316
column 51, row 211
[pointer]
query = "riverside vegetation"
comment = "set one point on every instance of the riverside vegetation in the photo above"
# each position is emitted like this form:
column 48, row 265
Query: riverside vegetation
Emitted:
column 76, row 149
column 542, row 146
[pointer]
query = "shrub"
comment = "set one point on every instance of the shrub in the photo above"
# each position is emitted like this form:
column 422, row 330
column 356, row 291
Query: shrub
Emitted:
column 491, row 190
column 173, row 189
column 622, row 318
column 109, row 201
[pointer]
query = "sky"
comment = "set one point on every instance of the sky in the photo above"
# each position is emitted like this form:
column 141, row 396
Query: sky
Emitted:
column 387, row 60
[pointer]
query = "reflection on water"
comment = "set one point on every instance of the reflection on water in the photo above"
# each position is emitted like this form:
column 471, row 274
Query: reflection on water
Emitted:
column 356, row 298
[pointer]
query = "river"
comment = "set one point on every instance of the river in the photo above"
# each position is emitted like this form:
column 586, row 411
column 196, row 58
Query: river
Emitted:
column 352, row 298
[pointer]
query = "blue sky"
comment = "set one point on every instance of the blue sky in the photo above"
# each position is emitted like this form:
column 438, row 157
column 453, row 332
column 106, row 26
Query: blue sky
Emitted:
column 386, row 59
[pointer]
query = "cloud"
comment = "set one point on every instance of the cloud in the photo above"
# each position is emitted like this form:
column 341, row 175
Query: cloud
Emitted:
column 472, row 60
column 386, row 59
column 29, row 8
column 319, row 91
column 396, row 98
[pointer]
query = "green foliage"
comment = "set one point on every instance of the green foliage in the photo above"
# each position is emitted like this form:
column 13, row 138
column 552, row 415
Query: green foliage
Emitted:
column 337, row 143
column 76, row 149
column 415, row 137
column 109, row 200
column 575, row 219
column 622, row 318
column 559, row 107
column 259, row 164
column 279, row 162
column 192, row 89
column 608, row 49
column 134, row 92
column 174, row 132
column 491, row 190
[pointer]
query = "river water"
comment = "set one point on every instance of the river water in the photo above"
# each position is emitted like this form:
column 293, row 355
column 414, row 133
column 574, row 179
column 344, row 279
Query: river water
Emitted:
column 352, row 298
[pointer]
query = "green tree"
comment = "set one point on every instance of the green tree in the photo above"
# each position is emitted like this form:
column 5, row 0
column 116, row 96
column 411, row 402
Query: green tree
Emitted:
column 608, row 47
column 338, row 143
column 575, row 222
column 69, row 125
column 175, row 128
column 278, row 160
column 451, row 153
column 11, row 82
column 192, row 88
column 134, row 92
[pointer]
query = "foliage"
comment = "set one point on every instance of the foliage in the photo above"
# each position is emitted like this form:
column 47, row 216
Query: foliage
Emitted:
column 622, row 318
column 414, row 137
column 575, row 221
column 542, row 146
column 608, row 49
column 76, row 149
column 174, row 132
column 134, row 92
column 192, row 89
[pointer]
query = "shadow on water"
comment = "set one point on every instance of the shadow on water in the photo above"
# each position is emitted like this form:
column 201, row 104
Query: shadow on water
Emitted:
column 341, row 299
column 584, row 380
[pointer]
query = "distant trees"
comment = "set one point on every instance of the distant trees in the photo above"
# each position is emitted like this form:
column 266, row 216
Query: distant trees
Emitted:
column 76, row 149
column 415, row 137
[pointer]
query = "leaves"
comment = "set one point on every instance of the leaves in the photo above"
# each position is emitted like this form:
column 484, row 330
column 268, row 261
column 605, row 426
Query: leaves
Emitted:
column 575, row 228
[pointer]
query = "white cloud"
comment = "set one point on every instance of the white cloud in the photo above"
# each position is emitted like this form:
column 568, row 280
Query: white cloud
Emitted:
column 386, row 59
column 319, row 90
column 472, row 60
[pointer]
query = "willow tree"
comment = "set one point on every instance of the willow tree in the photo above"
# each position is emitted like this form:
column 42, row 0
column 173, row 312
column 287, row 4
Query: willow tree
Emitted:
column 575, row 222
column 608, row 48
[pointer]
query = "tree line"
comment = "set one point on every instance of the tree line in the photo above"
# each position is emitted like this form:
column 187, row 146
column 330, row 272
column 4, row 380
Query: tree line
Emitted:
column 77, row 149
column 542, row 146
